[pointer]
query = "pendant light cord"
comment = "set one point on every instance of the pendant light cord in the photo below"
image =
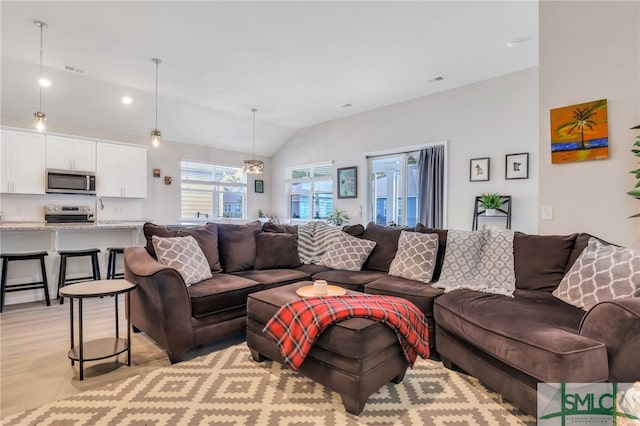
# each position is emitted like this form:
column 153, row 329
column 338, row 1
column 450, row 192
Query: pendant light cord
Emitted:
column 157, row 61
column 254, row 132
column 41, row 24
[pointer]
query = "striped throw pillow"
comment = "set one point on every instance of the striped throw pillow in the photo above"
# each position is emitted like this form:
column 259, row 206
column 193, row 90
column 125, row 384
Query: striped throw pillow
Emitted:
column 314, row 239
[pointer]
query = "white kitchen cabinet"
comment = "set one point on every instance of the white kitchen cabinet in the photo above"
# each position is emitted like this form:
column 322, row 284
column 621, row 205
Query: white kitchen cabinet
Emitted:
column 71, row 154
column 121, row 171
column 22, row 162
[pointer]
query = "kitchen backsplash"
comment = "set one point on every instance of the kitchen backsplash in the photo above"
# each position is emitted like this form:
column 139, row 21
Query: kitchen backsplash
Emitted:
column 30, row 208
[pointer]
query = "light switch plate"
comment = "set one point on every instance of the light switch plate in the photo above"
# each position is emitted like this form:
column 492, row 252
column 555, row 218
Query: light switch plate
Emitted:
column 547, row 212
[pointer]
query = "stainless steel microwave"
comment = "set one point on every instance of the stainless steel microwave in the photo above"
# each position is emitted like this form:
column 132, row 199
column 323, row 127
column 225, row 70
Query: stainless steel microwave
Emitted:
column 70, row 182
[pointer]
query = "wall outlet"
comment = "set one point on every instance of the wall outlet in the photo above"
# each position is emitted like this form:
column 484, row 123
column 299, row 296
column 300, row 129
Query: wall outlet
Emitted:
column 547, row 212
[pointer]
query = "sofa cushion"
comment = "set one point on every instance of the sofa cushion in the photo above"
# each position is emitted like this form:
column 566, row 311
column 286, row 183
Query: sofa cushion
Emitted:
column 347, row 253
column 184, row 255
column 280, row 228
column 238, row 245
column 352, row 280
column 386, row 246
column 533, row 332
column 219, row 293
column 206, row 236
column 275, row 277
column 416, row 256
column 602, row 272
column 276, row 250
column 541, row 260
column 442, row 247
column 355, row 230
column 312, row 269
column 415, row 292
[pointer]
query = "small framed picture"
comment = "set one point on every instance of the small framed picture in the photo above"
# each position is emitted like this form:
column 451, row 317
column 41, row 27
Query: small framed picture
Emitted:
column 479, row 169
column 517, row 166
column 348, row 182
column 258, row 186
column 167, row 180
column 156, row 173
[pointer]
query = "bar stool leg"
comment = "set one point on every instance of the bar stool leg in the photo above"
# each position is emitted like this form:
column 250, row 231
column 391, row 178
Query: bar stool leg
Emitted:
column 44, row 282
column 95, row 266
column 61, row 276
column 5, row 263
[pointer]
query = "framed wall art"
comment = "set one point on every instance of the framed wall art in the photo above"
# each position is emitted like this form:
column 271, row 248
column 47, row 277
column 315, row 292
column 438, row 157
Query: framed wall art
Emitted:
column 258, row 186
column 348, row 182
column 580, row 132
column 517, row 166
column 479, row 169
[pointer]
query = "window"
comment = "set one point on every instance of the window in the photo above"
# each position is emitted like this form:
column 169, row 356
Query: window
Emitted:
column 394, row 189
column 310, row 191
column 212, row 191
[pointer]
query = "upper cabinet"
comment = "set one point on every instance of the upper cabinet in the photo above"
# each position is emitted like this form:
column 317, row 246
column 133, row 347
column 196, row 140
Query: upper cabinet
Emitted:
column 122, row 171
column 71, row 154
column 22, row 162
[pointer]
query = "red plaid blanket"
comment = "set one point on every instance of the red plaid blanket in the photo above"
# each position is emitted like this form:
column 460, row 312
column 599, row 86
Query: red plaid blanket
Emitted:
column 297, row 325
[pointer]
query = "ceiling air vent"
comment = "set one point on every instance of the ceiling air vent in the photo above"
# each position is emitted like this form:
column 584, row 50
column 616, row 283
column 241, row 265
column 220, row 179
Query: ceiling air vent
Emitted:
column 436, row 79
column 73, row 69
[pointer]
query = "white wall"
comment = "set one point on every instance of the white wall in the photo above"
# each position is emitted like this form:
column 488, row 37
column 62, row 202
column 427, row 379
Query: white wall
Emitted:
column 487, row 119
column 590, row 51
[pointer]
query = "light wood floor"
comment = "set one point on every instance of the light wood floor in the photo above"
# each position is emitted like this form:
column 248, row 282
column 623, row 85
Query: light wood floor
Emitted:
column 35, row 339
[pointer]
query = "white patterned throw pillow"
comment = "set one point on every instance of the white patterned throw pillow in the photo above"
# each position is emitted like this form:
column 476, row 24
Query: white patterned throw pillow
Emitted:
column 416, row 256
column 480, row 261
column 314, row 239
column 184, row 255
column 347, row 253
column 601, row 272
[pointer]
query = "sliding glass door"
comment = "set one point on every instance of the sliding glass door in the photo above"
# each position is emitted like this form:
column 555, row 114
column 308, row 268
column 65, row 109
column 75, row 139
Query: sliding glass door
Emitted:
column 394, row 189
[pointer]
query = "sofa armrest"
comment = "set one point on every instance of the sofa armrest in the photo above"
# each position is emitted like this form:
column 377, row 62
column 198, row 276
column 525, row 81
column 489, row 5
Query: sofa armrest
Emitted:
column 616, row 323
column 160, row 305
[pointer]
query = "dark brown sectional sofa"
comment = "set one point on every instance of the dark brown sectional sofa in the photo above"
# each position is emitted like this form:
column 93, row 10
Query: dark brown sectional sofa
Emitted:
column 510, row 344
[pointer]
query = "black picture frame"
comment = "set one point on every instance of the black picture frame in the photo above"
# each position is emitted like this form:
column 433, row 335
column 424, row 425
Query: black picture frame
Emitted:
column 479, row 169
column 258, row 186
column 516, row 166
column 348, row 182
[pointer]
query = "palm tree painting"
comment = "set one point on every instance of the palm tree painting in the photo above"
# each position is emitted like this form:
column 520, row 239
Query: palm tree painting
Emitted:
column 579, row 132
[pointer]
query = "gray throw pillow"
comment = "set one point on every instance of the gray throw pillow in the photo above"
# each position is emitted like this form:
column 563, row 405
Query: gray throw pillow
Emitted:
column 184, row 255
column 416, row 256
column 602, row 272
column 347, row 253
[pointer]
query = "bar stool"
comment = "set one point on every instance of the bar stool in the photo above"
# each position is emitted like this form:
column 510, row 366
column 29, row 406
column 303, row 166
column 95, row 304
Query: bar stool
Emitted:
column 8, row 257
column 111, row 264
column 62, row 276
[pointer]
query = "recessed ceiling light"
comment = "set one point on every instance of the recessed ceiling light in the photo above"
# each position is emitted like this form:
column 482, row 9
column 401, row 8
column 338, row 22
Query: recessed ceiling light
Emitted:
column 44, row 82
column 346, row 106
column 436, row 79
column 518, row 41
column 127, row 100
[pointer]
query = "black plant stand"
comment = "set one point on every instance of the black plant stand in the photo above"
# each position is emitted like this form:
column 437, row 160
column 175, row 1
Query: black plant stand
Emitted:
column 503, row 212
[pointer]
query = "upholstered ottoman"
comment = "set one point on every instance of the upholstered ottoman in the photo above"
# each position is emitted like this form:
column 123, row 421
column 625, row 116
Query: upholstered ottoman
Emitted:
column 354, row 357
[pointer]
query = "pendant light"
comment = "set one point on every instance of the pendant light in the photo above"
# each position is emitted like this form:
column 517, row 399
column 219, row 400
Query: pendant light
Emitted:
column 155, row 133
column 253, row 166
column 39, row 115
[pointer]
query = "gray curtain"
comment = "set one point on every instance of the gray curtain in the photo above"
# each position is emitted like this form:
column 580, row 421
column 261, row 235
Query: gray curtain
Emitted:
column 431, row 186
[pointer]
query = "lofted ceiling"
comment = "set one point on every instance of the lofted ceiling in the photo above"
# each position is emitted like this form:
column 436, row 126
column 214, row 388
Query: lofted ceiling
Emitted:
column 297, row 62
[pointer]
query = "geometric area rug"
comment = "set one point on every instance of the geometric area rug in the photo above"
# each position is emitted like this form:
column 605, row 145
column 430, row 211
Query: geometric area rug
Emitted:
column 227, row 387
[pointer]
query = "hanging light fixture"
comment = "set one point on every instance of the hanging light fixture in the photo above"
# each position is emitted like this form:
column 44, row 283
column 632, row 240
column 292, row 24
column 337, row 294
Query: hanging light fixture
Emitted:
column 39, row 115
column 253, row 166
column 155, row 133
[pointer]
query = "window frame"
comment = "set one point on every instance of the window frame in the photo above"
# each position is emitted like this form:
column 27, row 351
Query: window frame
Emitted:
column 312, row 179
column 217, row 211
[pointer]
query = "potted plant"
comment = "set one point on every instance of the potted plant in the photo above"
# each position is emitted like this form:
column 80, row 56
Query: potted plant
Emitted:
column 635, row 192
column 338, row 218
column 491, row 202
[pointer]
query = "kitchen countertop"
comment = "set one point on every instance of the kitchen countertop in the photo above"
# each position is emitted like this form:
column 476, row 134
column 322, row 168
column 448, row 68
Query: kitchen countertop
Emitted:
column 41, row 226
